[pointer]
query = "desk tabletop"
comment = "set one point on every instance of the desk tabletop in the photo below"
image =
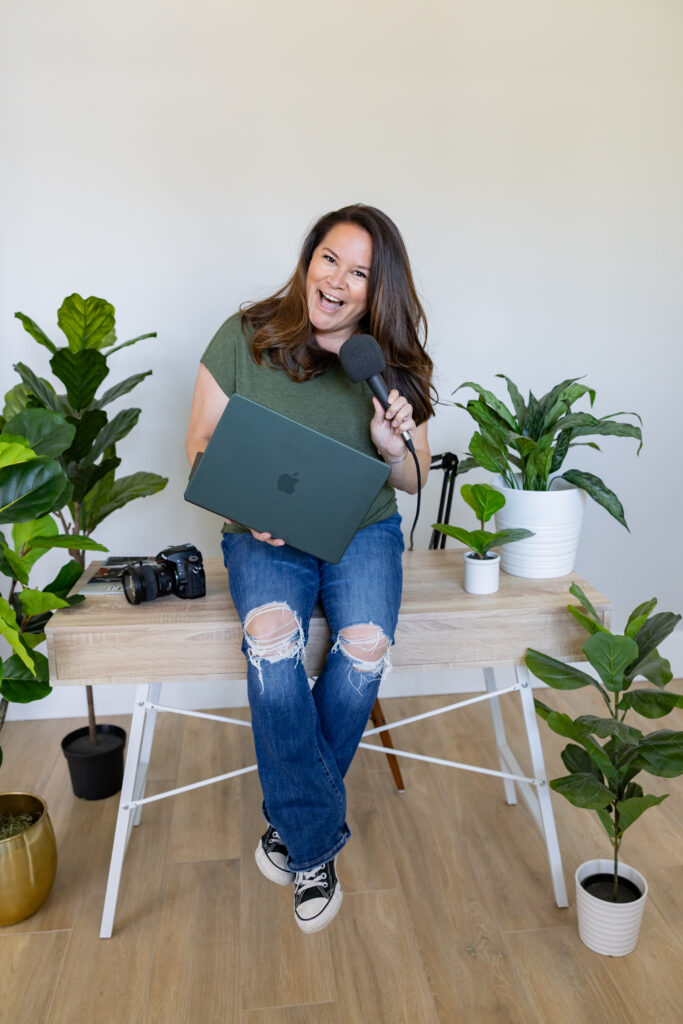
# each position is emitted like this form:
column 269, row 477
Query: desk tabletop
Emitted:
column 106, row 640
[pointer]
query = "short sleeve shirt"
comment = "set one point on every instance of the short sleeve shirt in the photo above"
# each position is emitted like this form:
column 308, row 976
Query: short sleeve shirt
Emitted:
column 331, row 403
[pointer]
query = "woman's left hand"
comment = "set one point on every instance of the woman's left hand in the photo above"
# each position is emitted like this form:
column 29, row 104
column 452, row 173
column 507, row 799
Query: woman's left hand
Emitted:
column 387, row 426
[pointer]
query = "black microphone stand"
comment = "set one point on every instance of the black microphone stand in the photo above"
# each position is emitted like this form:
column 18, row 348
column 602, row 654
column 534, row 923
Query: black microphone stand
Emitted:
column 448, row 462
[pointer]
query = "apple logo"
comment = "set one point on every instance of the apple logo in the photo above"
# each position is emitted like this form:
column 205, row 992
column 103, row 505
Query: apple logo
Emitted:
column 287, row 482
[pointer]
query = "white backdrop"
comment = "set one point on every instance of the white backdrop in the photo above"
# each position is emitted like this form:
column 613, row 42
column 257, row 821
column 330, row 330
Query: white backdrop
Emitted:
column 170, row 158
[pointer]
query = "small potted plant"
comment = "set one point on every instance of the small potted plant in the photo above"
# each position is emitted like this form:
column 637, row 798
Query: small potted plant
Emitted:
column 526, row 446
column 611, row 895
column 482, row 564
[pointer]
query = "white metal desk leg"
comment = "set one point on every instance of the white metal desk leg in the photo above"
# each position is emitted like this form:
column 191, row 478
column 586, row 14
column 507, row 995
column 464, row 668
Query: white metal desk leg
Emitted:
column 146, row 749
column 545, row 806
column 123, row 819
column 499, row 730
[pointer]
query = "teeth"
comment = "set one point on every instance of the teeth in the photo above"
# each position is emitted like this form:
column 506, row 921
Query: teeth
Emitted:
column 330, row 298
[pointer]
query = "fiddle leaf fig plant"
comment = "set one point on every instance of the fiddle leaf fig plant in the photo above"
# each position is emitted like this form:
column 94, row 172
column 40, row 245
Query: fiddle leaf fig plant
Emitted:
column 89, row 462
column 602, row 774
column 33, row 486
column 528, row 443
column 485, row 501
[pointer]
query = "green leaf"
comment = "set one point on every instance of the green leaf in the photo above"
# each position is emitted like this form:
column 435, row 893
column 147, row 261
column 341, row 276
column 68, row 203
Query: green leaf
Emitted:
column 123, row 387
column 81, row 372
column 9, row 628
column 87, row 428
column 47, row 432
column 603, row 727
column 583, row 790
column 610, row 656
column 661, row 753
column 36, row 332
column 67, row 576
column 14, row 451
column 132, row 341
column 556, row 673
column 16, row 400
column 475, row 539
column 489, row 456
column 492, row 426
column 36, row 602
column 74, row 541
column 585, row 620
column 516, row 399
column 127, row 488
column 23, row 533
column 86, row 476
column 651, row 633
column 562, row 446
column 508, row 537
column 482, row 499
column 651, row 703
column 19, row 568
column 576, row 591
column 577, row 760
column 492, row 401
column 598, row 491
column 639, row 616
column 607, row 822
column 19, row 685
column 39, row 387
column 655, row 668
column 87, row 323
column 630, row 810
column 114, row 431
column 565, row 726
column 29, row 490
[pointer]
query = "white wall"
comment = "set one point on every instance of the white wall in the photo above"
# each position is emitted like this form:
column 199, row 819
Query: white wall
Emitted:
column 169, row 157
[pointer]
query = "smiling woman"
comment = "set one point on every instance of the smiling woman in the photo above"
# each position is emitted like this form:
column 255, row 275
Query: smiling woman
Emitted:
column 352, row 276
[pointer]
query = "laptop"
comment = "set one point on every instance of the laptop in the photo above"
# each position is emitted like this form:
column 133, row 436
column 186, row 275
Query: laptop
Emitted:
column 265, row 471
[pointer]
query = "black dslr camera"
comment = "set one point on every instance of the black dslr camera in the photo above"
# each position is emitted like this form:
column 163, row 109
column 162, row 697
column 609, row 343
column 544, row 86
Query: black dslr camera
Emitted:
column 179, row 570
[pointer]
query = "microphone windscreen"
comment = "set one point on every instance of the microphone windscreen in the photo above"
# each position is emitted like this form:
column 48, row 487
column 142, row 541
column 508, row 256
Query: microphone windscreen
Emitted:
column 361, row 358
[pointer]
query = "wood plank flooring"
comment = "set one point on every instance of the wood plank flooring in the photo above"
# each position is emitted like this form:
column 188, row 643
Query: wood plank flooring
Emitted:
column 448, row 915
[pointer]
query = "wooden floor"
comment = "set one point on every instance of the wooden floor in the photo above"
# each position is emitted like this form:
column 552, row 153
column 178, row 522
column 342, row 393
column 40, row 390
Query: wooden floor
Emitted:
column 447, row 917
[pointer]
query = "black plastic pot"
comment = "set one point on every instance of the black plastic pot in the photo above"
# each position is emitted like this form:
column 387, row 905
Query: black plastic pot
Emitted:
column 96, row 771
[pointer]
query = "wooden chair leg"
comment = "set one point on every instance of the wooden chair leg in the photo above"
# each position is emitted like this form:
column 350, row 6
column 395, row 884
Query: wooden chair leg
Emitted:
column 377, row 718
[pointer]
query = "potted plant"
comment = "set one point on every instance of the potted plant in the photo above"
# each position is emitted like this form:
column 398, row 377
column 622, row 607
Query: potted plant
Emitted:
column 526, row 446
column 89, row 463
column 482, row 564
column 32, row 486
column 610, row 894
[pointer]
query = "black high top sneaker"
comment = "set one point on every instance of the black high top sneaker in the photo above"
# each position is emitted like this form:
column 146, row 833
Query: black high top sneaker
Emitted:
column 317, row 897
column 271, row 858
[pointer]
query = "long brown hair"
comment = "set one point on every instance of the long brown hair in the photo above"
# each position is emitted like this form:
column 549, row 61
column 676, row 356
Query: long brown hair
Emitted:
column 282, row 330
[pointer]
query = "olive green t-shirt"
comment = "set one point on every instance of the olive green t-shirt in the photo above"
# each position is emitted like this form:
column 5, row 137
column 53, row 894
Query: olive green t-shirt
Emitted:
column 330, row 403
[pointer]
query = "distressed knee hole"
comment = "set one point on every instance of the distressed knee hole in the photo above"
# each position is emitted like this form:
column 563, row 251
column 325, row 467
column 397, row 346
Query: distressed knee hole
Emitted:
column 273, row 632
column 365, row 645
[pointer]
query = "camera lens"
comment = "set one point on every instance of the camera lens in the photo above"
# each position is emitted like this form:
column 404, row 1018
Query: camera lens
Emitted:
column 140, row 583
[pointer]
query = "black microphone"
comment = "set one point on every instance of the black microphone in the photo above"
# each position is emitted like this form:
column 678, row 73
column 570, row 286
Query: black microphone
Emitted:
column 362, row 359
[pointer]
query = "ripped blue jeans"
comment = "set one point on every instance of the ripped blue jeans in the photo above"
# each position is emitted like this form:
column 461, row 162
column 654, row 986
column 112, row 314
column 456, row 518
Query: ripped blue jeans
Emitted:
column 306, row 739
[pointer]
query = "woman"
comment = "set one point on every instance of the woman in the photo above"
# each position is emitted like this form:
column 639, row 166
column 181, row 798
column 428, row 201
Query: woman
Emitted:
column 353, row 276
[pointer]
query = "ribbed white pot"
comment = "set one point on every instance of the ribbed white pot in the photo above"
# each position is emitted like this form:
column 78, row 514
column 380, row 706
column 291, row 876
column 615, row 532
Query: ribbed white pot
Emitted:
column 609, row 928
column 555, row 517
column 482, row 574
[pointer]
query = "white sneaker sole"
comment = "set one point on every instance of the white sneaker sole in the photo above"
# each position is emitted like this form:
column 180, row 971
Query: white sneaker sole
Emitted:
column 272, row 873
column 317, row 924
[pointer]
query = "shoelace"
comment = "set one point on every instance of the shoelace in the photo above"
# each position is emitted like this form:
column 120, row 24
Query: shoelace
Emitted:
column 309, row 880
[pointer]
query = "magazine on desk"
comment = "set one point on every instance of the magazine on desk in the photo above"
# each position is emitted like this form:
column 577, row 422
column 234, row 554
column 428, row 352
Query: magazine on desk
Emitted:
column 107, row 578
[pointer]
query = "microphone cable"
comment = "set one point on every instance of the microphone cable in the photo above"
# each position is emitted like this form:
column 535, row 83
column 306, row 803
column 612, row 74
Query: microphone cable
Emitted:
column 411, row 448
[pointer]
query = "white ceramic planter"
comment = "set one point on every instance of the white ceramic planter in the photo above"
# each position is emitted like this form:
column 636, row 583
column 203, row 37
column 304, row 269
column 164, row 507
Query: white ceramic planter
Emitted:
column 609, row 928
column 555, row 517
column 482, row 574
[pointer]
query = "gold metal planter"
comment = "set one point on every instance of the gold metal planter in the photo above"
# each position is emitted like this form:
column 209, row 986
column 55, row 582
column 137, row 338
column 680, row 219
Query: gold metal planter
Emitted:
column 28, row 861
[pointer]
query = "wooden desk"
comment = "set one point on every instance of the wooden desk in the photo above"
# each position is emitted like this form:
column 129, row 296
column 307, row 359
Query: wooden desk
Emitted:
column 107, row 641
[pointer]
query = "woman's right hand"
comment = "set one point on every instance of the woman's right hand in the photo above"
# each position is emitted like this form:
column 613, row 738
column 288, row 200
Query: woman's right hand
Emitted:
column 266, row 538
